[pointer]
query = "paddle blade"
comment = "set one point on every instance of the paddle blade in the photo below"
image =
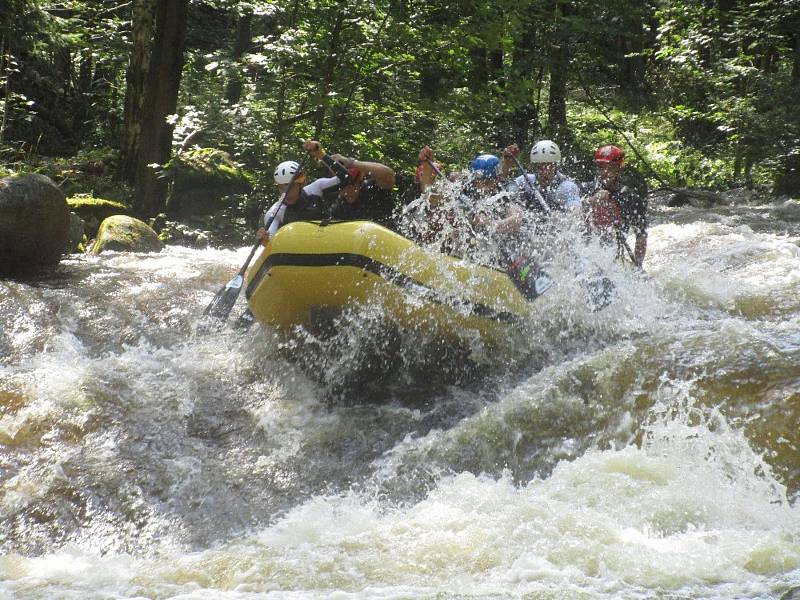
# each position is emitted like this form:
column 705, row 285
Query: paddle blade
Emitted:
column 245, row 320
column 530, row 279
column 542, row 282
column 601, row 292
column 222, row 304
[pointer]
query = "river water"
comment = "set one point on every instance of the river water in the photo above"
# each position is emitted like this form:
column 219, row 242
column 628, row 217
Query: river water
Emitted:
column 649, row 450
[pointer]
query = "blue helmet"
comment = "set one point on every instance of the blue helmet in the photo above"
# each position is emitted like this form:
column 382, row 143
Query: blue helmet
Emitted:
column 485, row 166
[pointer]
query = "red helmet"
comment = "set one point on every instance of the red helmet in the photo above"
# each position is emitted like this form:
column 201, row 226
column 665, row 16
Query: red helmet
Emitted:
column 609, row 154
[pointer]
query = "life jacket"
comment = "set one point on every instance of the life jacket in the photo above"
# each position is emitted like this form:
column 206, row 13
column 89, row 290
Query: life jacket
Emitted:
column 550, row 192
column 605, row 216
column 307, row 208
column 373, row 204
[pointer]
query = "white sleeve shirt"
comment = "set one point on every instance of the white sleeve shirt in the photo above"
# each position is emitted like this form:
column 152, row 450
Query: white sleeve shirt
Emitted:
column 277, row 211
column 567, row 194
column 318, row 186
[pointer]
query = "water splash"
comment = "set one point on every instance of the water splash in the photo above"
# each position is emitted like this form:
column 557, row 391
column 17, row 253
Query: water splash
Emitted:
column 647, row 449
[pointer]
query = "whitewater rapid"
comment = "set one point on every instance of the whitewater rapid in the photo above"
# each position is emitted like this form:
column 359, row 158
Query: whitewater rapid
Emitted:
column 647, row 451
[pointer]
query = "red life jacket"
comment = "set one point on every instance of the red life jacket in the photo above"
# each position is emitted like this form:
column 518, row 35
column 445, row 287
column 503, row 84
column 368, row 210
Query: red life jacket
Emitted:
column 605, row 216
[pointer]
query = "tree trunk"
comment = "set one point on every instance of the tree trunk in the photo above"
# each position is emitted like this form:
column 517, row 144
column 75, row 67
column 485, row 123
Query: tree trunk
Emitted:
column 5, row 78
column 160, row 100
column 523, row 66
column 788, row 182
column 430, row 81
column 244, row 37
column 479, row 71
column 705, row 52
column 796, row 65
column 737, row 161
column 726, row 23
column 103, row 94
column 632, row 68
column 329, row 72
column 142, row 29
column 559, row 65
column 83, row 97
column 557, row 103
column 496, row 65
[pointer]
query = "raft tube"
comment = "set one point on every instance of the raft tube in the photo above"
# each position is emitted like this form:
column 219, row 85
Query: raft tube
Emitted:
column 308, row 268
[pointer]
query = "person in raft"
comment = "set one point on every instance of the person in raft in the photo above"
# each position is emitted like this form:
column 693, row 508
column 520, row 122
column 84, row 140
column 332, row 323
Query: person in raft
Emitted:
column 364, row 190
column 547, row 184
column 613, row 206
column 506, row 215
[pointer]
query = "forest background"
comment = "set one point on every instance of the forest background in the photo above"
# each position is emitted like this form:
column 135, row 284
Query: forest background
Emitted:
column 101, row 95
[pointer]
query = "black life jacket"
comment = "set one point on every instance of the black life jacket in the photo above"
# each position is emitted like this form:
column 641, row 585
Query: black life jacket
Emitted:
column 307, row 208
column 374, row 203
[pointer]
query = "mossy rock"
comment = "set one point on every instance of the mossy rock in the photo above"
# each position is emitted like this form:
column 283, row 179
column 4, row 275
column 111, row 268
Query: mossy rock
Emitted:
column 94, row 210
column 126, row 234
column 203, row 182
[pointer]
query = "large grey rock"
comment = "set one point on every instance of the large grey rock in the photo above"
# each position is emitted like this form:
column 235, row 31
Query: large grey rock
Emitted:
column 204, row 181
column 126, row 234
column 34, row 224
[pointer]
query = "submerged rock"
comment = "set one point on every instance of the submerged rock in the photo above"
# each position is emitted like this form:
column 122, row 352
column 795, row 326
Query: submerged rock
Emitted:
column 695, row 197
column 701, row 198
column 792, row 594
column 126, row 234
column 789, row 210
column 34, row 223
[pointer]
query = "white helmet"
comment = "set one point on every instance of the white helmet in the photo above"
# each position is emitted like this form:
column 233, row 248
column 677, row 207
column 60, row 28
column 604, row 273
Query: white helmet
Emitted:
column 545, row 151
column 285, row 171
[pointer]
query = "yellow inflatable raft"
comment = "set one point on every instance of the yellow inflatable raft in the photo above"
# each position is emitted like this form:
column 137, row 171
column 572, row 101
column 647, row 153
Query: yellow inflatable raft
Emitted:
column 308, row 267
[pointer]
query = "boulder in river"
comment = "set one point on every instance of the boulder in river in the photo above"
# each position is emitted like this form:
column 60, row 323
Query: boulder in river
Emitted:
column 788, row 210
column 204, row 181
column 34, row 224
column 695, row 197
column 93, row 210
column 126, row 234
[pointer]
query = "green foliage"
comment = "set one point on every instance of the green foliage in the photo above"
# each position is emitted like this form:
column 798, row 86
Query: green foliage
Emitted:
column 731, row 83
column 702, row 92
column 652, row 146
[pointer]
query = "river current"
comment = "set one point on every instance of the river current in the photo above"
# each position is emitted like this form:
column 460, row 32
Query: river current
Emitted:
column 648, row 450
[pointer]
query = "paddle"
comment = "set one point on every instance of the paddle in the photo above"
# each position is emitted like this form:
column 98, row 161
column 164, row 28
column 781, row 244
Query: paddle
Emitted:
column 225, row 299
column 434, row 167
column 532, row 190
column 623, row 243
